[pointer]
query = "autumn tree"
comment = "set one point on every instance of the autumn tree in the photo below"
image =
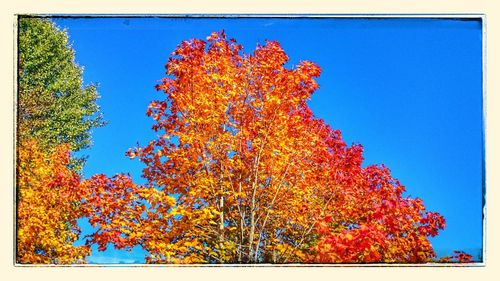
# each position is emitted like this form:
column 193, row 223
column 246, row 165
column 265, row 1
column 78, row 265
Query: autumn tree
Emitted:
column 51, row 198
column 55, row 113
column 48, row 204
column 243, row 172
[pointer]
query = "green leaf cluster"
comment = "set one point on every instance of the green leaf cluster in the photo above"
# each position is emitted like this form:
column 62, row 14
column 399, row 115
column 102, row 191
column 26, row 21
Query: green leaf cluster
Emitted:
column 54, row 106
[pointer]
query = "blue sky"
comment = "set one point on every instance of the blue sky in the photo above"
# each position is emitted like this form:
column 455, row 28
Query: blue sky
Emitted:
column 409, row 90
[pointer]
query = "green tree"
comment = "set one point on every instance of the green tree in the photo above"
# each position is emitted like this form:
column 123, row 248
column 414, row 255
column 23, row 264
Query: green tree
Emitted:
column 54, row 107
column 55, row 115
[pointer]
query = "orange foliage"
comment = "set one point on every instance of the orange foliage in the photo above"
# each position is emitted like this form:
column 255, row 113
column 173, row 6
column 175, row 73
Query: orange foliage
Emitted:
column 48, row 207
column 242, row 172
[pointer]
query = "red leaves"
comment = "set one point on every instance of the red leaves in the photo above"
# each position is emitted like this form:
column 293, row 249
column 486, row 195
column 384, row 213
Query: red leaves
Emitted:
column 371, row 222
column 462, row 257
column 270, row 56
column 322, row 228
column 114, row 206
column 362, row 244
column 459, row 257
column 309, row 68
column 431, row 223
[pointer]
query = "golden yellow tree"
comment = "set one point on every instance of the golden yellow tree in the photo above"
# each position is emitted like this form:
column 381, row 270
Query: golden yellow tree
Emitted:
column 48, row 206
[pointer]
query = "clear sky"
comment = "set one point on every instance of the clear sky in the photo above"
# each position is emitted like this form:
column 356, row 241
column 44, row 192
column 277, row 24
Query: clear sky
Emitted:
column 408, row 90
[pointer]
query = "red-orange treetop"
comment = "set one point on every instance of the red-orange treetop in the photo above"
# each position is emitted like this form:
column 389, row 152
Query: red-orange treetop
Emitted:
column 243, row 172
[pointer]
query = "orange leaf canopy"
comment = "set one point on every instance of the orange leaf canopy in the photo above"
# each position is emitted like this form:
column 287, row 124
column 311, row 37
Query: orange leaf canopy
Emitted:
column 48, row 206
column 243, row 172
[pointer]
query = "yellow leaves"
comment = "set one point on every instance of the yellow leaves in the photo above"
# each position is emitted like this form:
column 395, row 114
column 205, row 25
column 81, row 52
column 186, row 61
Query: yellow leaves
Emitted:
column 136, row 234
column 193, row 192
column 300, row 219
column 208, row 213
column 349, row 236
column 213, row 36
column 178, row 210
column 46, row 213
column 282, row 248
column 300, row 254
column 181, row 249
column 170, row 200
